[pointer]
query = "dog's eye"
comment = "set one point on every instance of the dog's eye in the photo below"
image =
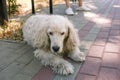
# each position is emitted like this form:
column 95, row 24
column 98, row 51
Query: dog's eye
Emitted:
column 50, row 33
column 62, row 33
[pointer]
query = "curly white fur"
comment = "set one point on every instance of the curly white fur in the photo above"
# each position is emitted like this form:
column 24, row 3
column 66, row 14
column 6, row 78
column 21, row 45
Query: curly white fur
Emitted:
column 53, row 36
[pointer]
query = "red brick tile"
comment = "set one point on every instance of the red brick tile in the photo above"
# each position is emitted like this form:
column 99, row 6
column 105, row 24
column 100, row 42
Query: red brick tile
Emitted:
column 82, row 34
column 110, row 16
column 88, row 26
column 111, row 60
column 119, row 64
column 90, row 23
column 115, row 27
column 85, row 77
column 100, row 41
column 111, row 13
column 103, row 35
column 116, row 18
column 116, row 22
column 96, row 51
column 108, row 74
column 91, row 66
column 114, row 33
column 111, row 47
column 114, row 39
column 44, row 74
column 105, row 29
column 106, row 25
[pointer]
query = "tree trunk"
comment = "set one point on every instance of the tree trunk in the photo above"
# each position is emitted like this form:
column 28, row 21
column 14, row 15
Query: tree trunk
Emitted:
column 51, row 6
column 3, row 12
column 33, row 7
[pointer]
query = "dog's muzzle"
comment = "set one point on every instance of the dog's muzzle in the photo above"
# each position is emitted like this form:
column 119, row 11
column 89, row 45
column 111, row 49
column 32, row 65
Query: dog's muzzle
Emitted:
column 55, row 48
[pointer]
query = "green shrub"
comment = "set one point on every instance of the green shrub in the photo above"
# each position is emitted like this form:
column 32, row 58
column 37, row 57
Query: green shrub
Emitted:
column 13, row 7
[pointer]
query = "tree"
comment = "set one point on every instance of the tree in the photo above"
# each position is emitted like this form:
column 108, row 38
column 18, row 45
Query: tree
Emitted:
column 3, row 12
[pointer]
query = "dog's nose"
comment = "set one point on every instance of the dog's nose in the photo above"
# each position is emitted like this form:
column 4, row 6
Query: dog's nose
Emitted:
column 55, row 48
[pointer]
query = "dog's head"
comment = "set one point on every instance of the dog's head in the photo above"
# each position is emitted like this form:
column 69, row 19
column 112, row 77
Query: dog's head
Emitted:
column 58, row 36
column 57, row 33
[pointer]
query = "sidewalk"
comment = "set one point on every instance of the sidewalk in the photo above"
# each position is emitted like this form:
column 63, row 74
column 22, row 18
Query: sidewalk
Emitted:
column 99, row 32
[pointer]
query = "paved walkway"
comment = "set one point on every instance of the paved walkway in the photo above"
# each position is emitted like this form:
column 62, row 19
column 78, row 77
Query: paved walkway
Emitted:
column 99, row 32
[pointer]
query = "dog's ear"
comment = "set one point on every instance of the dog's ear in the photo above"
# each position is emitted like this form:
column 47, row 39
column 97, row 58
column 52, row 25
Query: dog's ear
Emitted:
column 72, row 39
column 42, row 39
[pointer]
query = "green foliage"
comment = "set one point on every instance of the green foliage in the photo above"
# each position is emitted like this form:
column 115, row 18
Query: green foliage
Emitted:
column 13, row 7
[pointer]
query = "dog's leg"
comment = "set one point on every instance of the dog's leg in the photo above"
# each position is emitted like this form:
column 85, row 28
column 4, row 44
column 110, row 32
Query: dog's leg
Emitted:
column 58, row 64
column 77, row 55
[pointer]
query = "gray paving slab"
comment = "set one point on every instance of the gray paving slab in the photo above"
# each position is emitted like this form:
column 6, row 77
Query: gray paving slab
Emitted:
column 10, row 71
column 90, row 37
column 17, row 59
column 22, row 77
column 12, row 56
column 4, row 44
column 95, row 29
column 32, row 68
column 26, row 58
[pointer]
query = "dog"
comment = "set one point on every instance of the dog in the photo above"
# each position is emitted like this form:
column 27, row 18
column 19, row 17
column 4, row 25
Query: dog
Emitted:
column 53, row 36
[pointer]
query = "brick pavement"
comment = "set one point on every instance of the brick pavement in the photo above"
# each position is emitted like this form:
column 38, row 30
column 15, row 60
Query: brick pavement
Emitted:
column 99, row 32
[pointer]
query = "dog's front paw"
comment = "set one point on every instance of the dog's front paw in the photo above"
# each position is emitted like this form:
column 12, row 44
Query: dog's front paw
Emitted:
column 80, row 56
column 63, row 68
column 36, row 54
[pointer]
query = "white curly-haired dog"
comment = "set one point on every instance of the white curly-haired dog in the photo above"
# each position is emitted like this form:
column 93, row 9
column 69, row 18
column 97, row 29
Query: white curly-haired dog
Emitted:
column 53, row 36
